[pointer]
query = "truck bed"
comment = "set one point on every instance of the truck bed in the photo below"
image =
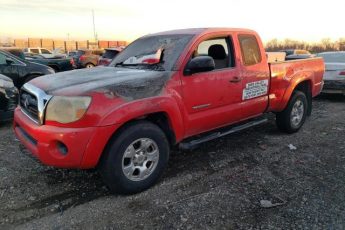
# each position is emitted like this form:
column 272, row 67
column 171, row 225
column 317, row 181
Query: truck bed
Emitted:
column 295, row 71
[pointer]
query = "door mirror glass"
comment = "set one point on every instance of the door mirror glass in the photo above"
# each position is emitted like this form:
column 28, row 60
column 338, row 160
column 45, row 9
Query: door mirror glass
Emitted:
column 199, row 64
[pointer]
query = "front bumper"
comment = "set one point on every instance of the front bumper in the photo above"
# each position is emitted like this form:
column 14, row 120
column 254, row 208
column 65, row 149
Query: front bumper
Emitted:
column 332, row 86
column 84, row 145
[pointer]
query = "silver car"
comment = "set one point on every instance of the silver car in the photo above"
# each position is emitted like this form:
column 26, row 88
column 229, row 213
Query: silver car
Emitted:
column 334, row 76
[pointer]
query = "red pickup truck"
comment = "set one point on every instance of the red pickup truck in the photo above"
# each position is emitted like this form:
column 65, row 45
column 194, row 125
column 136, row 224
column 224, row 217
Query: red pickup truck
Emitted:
column 181, row 87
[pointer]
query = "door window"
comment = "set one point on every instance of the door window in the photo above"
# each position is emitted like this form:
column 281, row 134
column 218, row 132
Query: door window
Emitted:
column 218, row 49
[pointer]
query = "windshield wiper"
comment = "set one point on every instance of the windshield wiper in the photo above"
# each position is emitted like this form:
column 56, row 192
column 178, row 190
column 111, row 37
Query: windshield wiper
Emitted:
column 155, row 66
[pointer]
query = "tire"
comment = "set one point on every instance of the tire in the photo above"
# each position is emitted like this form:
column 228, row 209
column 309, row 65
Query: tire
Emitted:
column 89, row 65
column 292, row 118
column 130, row 150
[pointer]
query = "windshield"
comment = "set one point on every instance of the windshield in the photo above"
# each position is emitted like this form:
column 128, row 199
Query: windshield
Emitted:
column 333, row 57
column 152, row 50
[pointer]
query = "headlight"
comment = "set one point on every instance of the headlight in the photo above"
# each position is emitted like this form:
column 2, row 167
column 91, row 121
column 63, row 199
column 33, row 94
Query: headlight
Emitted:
column 6, row 84
column 67, row 109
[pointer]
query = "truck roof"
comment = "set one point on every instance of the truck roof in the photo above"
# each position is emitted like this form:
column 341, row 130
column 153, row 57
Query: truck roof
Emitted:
column 201, row 31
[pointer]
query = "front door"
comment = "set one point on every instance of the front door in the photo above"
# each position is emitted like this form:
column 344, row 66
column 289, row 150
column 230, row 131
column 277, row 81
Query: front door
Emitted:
column 213, row 99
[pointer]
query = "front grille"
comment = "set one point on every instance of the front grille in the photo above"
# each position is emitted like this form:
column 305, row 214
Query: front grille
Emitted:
column 28, row 103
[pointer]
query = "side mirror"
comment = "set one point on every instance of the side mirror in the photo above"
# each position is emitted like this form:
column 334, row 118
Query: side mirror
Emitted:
column 9, row 61
column 199, row 64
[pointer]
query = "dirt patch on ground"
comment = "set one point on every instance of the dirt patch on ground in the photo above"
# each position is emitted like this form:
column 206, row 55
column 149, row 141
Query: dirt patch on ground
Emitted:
column 219, row 185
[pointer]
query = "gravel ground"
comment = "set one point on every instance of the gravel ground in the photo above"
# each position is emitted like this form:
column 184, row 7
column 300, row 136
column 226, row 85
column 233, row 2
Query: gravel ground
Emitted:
column 226, row 183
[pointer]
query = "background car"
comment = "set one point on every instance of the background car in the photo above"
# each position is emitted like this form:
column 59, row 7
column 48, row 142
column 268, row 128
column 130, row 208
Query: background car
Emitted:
column 334, row 77
column 87, row 58
column 295, row 52
column 58, row 64
column 108, row 56
column 45, row 52
column 21, row 70
column 299, row 56
column 8, row 98
column 72, row 53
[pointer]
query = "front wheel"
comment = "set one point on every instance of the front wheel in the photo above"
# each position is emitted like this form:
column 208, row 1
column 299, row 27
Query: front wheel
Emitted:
column 135, row 158
column 292, row 118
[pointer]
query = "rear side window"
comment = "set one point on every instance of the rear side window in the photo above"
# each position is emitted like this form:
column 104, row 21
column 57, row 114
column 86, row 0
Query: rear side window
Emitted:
column 34, row 51
column 250, row 50
column 44, row 51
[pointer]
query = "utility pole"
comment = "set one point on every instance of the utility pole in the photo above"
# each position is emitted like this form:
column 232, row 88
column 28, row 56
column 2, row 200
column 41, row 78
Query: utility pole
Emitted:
column 94, row 26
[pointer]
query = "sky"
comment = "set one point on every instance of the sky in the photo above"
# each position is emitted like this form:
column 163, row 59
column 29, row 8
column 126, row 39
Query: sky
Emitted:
column 129, row 19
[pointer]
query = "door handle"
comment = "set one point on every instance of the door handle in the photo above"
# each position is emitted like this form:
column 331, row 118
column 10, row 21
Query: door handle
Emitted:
column 235, row 80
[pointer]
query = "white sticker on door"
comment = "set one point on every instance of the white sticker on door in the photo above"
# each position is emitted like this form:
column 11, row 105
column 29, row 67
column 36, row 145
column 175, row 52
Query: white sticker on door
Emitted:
column 255, row 89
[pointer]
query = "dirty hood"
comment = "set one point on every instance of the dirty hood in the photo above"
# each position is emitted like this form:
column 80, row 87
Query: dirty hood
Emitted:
column 123, row 82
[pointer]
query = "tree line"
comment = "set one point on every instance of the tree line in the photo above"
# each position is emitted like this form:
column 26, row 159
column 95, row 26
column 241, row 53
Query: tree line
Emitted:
column 325, row 44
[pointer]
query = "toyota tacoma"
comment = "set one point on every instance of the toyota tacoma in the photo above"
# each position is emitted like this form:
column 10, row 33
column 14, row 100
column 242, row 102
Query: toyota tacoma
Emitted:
column 181, row 87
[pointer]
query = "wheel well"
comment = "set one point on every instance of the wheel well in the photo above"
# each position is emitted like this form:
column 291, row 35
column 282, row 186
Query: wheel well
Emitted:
column 162, row 121
column 29, row 77
column 55, row 67
column 305, row 87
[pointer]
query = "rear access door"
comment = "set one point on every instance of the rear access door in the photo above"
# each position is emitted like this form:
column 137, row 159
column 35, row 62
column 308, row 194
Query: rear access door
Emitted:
column 255, row 76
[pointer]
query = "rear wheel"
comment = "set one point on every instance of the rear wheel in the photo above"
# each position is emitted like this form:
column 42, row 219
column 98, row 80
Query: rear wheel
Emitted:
column 292, row 118
column 135, row 158
column 89, row 65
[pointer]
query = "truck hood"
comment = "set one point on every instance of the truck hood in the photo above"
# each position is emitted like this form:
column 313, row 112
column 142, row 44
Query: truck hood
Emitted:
column 127, row 83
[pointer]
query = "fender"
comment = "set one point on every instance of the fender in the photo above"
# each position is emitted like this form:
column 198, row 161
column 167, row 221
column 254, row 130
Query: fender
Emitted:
column 293, row 82
column 141, row 108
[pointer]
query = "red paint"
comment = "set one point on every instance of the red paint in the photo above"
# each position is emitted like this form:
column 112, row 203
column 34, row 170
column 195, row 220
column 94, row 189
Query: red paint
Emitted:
column 193, row 104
